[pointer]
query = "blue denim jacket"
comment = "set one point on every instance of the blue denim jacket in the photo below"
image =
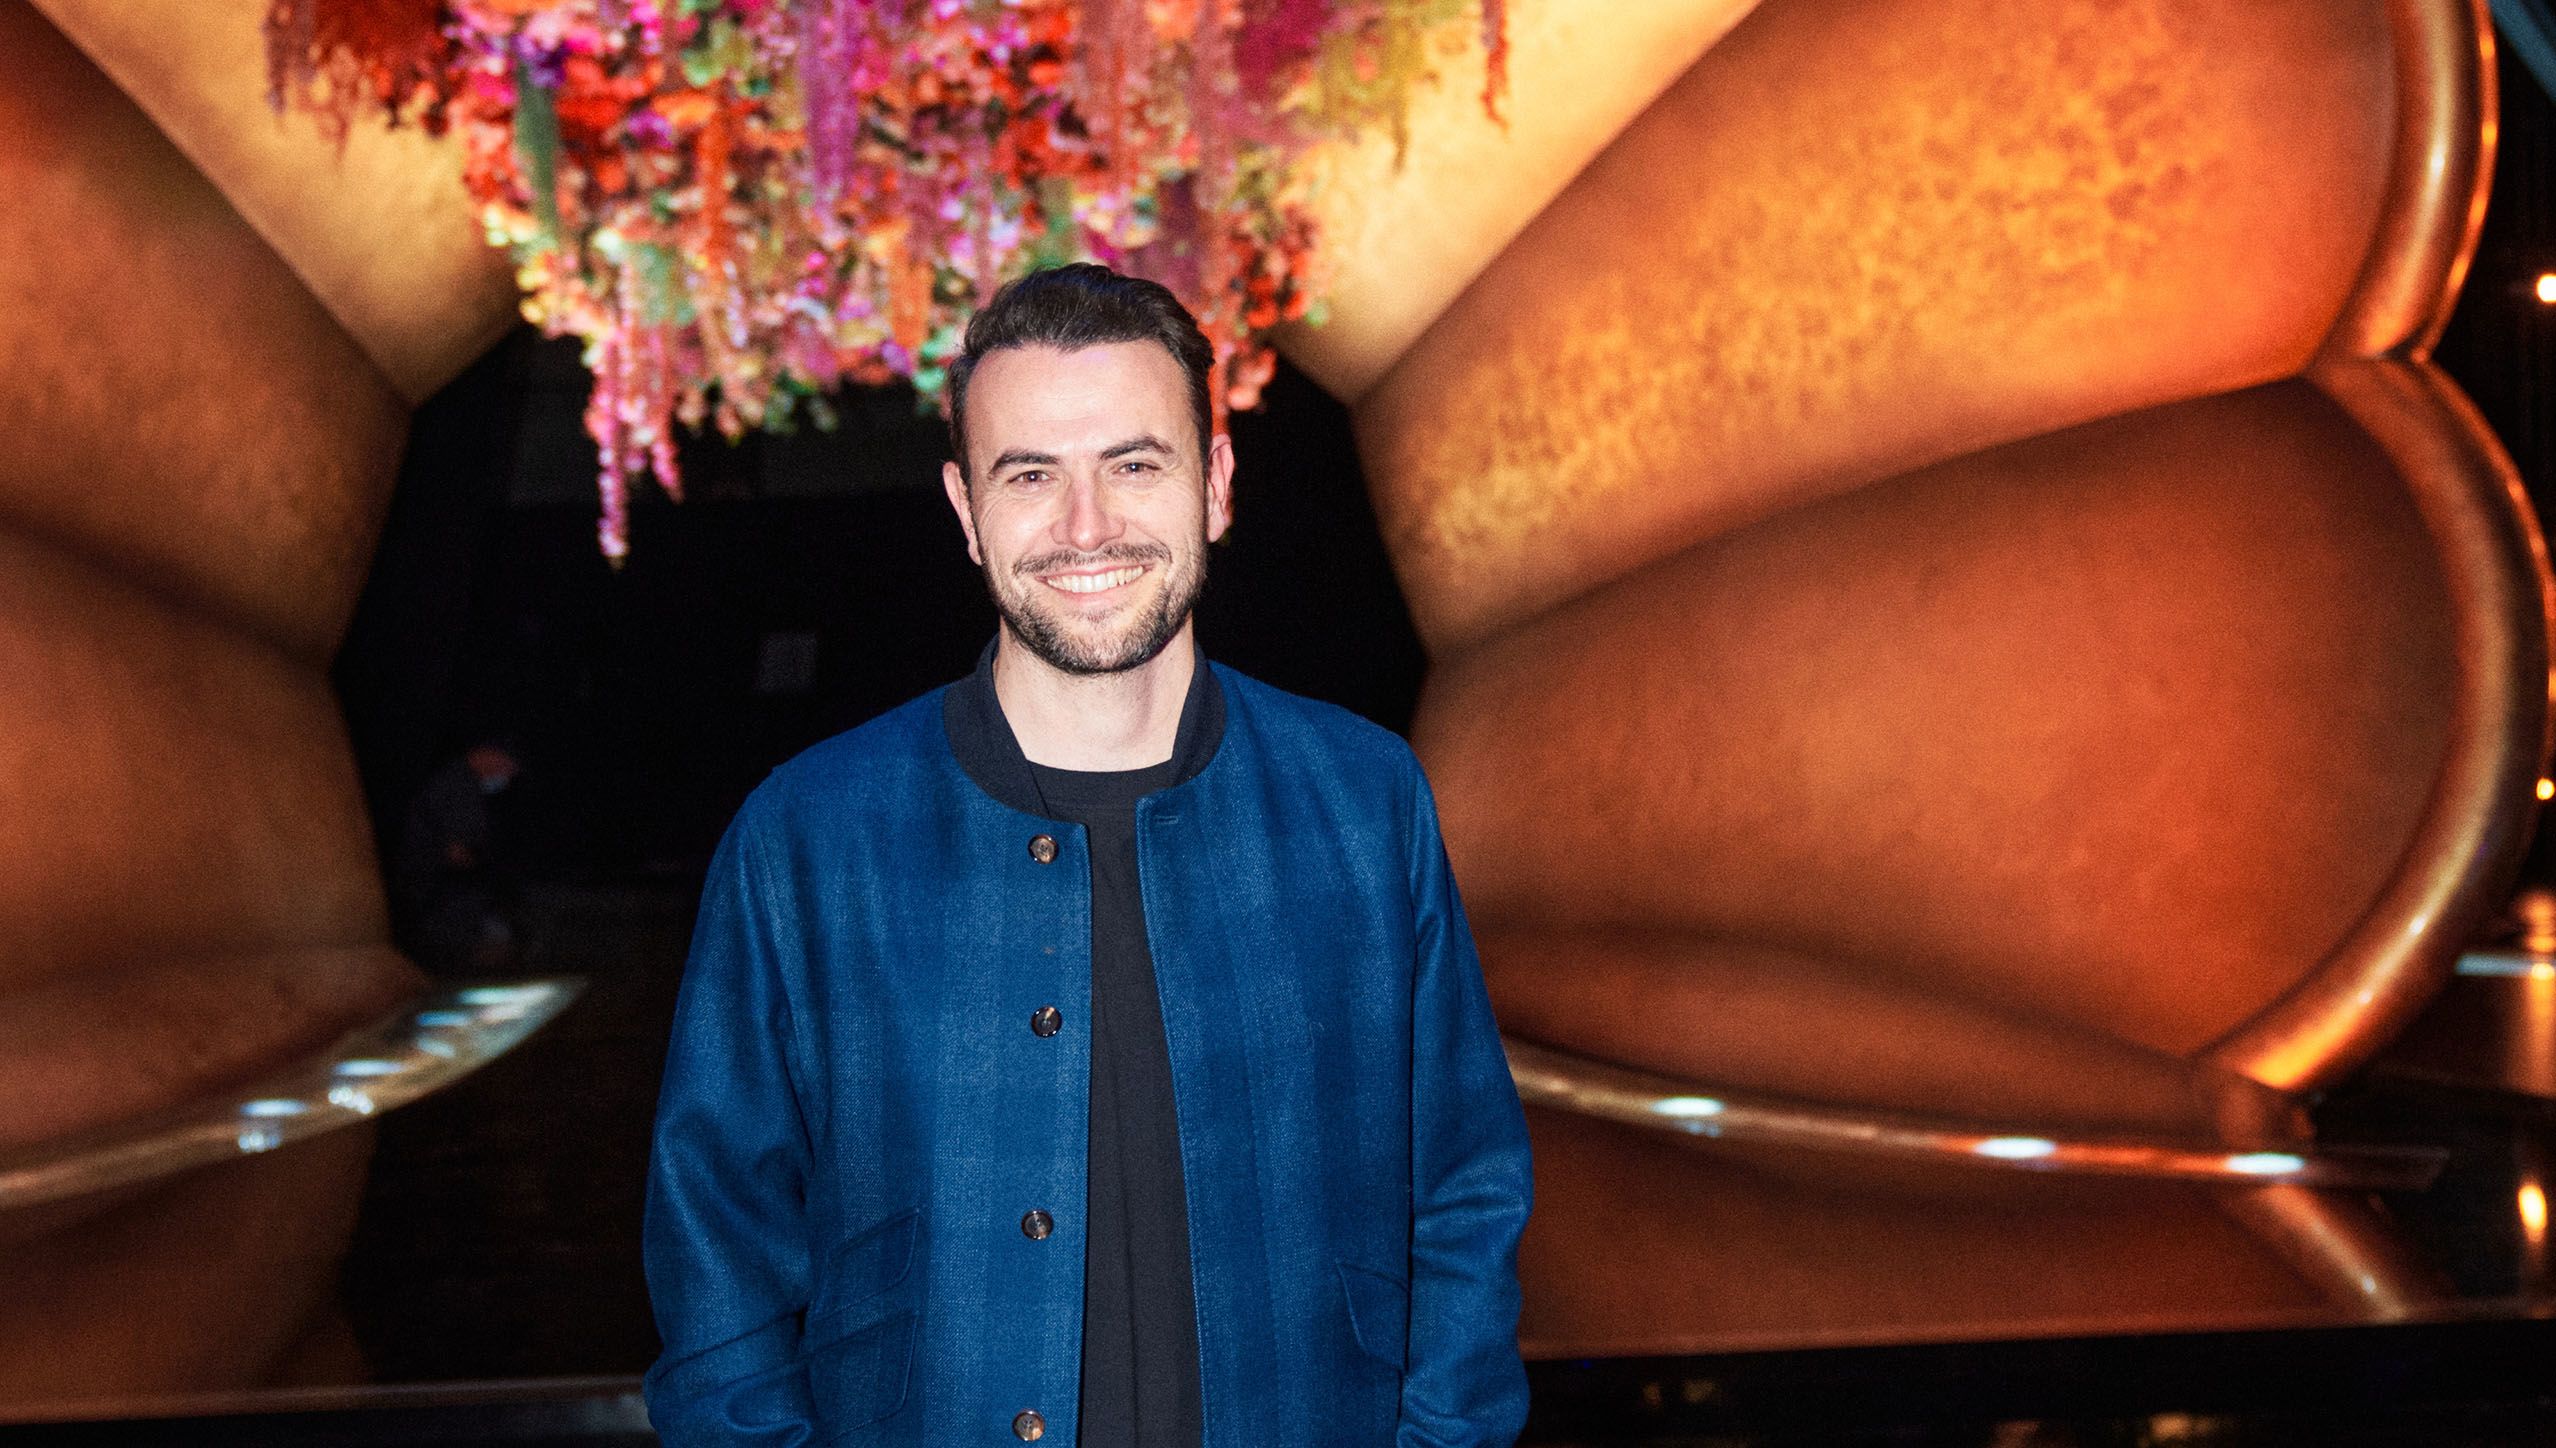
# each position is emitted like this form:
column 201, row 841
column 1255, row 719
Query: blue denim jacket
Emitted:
column 857, row 1114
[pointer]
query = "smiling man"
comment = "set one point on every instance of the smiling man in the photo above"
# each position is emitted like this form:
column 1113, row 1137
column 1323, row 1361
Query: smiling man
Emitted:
column 1093, row 1048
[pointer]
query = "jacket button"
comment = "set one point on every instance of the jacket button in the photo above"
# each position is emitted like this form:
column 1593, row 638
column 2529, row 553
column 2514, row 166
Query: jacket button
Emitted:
column 1043, row 848
column 1029, row 1426
column 1037, row 1225
column 1046, row 1021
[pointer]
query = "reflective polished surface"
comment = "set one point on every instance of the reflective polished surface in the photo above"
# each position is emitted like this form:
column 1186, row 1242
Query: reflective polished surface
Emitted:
column 1638, row 1235
column 1557, row 1079
column 424, row 1046
column 500, row 1229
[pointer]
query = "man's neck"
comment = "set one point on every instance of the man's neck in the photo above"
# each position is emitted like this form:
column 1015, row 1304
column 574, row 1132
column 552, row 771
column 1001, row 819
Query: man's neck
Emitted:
column 1096, row 722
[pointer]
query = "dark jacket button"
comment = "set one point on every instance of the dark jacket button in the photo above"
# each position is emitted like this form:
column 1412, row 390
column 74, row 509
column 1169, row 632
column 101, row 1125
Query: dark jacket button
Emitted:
column 1029, row 1426
column 1046, row 1021
column 1037, row 1225
column 1043, row 848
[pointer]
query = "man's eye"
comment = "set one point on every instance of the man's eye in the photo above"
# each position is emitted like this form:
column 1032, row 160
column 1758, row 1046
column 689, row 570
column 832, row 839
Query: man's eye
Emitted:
column 1139, row 465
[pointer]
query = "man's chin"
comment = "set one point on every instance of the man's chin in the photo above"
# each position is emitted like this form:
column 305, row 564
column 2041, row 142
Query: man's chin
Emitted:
column 1113, row 651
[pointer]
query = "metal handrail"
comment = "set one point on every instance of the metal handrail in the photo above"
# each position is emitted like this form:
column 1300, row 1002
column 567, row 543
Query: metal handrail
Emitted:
column 424, row 1046
column 1547, row 1077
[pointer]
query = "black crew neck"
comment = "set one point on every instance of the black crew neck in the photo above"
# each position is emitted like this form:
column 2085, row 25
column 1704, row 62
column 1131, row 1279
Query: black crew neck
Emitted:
column 990, row 753
column 1075, row 793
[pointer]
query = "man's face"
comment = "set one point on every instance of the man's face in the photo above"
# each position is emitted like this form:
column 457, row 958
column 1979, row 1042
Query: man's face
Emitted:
column 1091, row 510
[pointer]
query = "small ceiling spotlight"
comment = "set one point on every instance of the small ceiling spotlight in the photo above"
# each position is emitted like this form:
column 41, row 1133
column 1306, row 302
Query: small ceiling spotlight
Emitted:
column 2546, row 288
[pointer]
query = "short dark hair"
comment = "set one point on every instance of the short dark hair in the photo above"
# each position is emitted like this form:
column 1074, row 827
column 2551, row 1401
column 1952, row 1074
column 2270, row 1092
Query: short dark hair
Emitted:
column 1077, row 306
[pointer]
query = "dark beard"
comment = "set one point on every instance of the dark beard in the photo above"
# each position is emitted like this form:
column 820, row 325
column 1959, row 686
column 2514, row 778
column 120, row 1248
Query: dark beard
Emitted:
column 1135, row 647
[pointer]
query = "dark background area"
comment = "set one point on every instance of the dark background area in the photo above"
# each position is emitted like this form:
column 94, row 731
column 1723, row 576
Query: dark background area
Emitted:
column 810, row 582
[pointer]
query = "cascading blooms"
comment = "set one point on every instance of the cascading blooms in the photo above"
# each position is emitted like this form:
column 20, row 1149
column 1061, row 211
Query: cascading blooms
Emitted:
column 740, row 204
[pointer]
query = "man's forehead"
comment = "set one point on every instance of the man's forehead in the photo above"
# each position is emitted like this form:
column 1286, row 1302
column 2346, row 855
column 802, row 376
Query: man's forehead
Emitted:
column 1120, row 379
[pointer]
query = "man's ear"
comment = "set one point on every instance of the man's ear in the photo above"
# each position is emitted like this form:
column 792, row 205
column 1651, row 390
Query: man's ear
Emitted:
column 1220, row 486
column 954, row 483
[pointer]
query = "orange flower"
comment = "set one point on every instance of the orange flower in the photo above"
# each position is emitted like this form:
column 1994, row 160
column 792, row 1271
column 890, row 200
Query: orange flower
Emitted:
column 686, row 110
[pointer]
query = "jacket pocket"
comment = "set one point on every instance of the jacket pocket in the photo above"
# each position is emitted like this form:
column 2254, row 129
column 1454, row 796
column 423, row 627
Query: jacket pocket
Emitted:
column 858, row 1378
column 864, row 1265
column 1379, row 1313
column 749, row 1383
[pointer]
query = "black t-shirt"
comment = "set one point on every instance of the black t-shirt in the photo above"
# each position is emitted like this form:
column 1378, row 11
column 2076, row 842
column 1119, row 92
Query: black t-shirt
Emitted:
column 1140, row 1317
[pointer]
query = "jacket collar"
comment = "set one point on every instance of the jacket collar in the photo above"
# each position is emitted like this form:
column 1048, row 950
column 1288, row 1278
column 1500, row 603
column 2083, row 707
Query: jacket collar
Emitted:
column 991, row 755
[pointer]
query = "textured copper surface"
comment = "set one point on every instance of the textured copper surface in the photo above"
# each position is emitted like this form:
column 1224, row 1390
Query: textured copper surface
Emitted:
column 1861, row 237
column 174, row 783
column 1407, row 221
column 2441, row 164
column 177, row 403
column 1908, row 638
column 1723, row 1016
column 2459, row 859
column 1746, row 484
column 2119, row 729
column 221, row 1279
column 193, row 459
column 377, row 226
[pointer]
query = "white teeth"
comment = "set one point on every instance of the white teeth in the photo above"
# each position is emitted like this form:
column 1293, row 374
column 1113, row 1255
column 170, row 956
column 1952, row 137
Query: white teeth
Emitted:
column 1095, row 582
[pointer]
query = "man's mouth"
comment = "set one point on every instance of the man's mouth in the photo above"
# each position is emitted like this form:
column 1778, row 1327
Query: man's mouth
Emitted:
column 1095, row 582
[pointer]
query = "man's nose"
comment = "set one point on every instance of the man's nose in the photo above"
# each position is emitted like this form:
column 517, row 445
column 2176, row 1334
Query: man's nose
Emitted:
column 1090, row 521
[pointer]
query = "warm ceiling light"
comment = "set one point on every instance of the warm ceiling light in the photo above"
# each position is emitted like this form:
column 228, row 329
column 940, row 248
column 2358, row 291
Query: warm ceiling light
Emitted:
column 2547, row 789
column 2547, row 287
column 2533, row 1212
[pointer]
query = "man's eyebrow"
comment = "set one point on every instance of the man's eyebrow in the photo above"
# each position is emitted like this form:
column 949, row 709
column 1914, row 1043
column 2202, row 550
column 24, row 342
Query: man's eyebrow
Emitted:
column 1142, row 442
column 1015, row 457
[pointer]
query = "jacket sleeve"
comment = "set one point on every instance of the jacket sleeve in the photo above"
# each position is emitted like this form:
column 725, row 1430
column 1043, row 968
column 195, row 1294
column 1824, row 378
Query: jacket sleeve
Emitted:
column 726, row 1237
column 1463, row 1384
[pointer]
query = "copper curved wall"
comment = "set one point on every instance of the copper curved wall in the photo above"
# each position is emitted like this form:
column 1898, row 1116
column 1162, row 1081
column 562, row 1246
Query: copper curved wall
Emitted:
column 2009, row 627
column 1875, row 717
column 1949, row 491
column 194, row 455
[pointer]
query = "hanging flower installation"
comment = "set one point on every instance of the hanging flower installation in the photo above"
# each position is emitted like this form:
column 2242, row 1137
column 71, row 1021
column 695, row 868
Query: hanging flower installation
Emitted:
column 739, row 204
